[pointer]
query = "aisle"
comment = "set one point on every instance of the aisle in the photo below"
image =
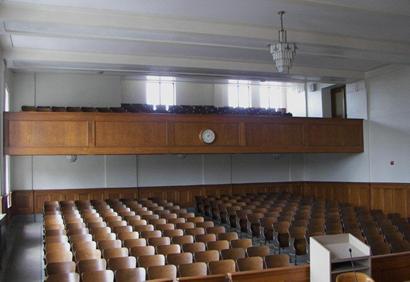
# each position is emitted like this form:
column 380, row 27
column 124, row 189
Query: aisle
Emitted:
column 22, row 261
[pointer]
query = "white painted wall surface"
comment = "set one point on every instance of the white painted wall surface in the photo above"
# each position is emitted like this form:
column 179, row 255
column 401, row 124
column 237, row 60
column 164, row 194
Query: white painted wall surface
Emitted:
column 389, row 113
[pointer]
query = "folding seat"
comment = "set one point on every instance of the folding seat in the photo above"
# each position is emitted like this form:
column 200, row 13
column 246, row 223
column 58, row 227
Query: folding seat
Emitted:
column 193, row 269
column 112, row 218
column 250, row 263
column 83, row 230
column 241, row 243
column 143, row 228
column 99, row 230
column 151, row 234
column 104, row 236
column 64, row 277
column 163, row 272
column 205, row 238
column 97, row 224
column 139, row 251
column 129, row 243
column 165, row 227
column 57, row 247
column 80, row 244
column 233, row 253
column 157, row 221
column 149, row 217
column 283, row 234
column 137, row 222
column 258, row 251
column 182, row 240
column 206, row 256
column 91, row 265
column 135, row 275
column 196, row 219
column 229, row 236
column 205, row 224
column 176, row 220
column 117, row 263
column 130, row 218
column 178, row 259
column 125, row 230
column 118, row 223
column 222, row 267
column 101, row 276
column 173, row 233
column 60, row 267
column 195, row 231
column 54, row 232
column 215, row 230
column 151, row 260
column 185, row 225
column 255, row 223
column 59, row 256
column 87, row 254
column 115, row 253
column 159, row 241
column 125, row 214
column 109, row 244
column 273, row 261
column 380, row 248
column 56, row 239
column 168, row 249
column 218, row 245
column 268, row 228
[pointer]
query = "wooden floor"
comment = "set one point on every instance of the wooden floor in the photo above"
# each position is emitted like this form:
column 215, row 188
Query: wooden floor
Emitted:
column 22, row 259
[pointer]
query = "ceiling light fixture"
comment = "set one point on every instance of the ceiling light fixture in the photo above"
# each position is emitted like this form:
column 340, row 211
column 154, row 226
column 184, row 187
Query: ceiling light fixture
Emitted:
column 283, row 52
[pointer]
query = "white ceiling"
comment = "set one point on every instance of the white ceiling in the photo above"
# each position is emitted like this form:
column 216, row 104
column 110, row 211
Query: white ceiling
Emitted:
column 337, row 39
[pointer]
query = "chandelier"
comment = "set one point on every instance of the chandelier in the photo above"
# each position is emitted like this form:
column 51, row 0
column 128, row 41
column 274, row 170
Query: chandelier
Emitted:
column 283, row 52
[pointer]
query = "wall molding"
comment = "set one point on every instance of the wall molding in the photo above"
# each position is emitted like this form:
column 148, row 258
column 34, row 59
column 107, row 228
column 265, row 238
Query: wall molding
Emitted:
column 389, row 197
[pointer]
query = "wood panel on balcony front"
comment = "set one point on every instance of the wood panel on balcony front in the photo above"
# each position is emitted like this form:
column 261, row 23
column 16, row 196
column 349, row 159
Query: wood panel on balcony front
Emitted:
column 56, row 133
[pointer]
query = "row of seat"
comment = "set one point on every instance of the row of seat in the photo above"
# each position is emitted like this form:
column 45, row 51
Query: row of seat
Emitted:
column 145, row 239
column 289, row 220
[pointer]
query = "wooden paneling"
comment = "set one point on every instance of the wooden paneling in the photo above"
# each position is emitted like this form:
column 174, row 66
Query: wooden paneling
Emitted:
column 34, row 133
column 130, row 134
column 391, row 197
column 282, row 274
column 274, row 134
column 357, row 194
column 48, row 134
column 22, row 202
column 187, row 133
column 326, row 135
column 393, row 267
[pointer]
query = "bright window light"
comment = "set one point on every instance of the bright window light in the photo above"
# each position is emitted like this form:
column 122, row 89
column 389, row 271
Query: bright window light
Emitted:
column 272, row 95
column 239, row 93
column 160, row 90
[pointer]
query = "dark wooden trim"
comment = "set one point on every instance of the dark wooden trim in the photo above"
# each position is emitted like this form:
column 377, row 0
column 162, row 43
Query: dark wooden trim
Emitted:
column 392, row 267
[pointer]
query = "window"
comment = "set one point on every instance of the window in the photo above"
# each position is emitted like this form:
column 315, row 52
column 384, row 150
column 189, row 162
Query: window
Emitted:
column 283, row 95
column 160, row 90
column 272, row 95
column 239, row 93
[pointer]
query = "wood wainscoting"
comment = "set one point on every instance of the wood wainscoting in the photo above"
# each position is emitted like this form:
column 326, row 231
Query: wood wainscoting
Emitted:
column 389, row 197
column 392, row 267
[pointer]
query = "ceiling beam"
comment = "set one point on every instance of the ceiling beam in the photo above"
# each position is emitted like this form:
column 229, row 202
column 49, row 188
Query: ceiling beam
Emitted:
column 120, row 20
column 117, row 61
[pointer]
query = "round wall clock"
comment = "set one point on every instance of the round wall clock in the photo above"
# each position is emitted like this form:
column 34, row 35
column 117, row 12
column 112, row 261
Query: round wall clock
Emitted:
column 207, row 136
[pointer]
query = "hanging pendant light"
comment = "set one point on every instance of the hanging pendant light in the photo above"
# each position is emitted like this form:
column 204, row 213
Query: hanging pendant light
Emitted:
column 283, row 52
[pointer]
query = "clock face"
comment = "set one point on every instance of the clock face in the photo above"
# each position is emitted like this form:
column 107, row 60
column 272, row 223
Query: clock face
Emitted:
column 207, row 136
